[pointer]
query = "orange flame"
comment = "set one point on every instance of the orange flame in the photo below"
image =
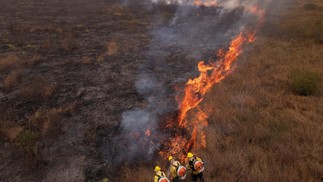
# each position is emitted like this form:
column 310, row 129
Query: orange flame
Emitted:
column 207, row 3
column 148, row 132
column 191, row 118
column 195, row 91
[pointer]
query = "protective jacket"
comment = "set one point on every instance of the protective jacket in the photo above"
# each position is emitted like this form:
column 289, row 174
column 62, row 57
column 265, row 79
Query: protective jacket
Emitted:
column 173, row 168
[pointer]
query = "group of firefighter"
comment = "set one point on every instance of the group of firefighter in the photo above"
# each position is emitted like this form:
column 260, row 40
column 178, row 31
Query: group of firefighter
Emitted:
column 178, row 171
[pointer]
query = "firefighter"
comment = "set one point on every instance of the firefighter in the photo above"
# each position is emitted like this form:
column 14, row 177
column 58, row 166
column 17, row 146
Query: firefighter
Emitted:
column 173, row 169
column 160, row 176
column 196, row 165
column 177, row 171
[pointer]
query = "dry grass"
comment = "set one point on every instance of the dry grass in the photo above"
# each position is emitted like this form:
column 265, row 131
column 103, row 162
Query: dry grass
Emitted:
column 36, row 59
column 37, row 89
column 9, row 62
column 101, row 57
column 12, row 79
column 49, row 44
column 45, row 120
column 260, row 130
column 86, row 60
column 112, row 48
column 10, row 132
column 69, row 43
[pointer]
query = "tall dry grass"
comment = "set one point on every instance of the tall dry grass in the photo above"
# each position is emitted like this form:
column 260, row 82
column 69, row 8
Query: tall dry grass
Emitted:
column 260, row 129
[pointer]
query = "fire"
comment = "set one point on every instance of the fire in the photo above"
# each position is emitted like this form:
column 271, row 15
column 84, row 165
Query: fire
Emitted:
column 189, row 126
column 258, row 11
column 148, row 132
column 207, row 3
column 195, row 90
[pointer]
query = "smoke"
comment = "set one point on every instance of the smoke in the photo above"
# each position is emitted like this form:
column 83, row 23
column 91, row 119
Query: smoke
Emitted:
column 182, row 35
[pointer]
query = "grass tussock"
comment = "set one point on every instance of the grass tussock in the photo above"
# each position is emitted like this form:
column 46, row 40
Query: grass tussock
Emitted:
column 9, row 131
column 46, row 120
column 310, row 7
column 9, row 62
column 101, row 57
column 305, row 82
column 34, row 60
column 112, row 48
column 12, row 79
column 49, row 44
column 69, row 43
column 27, row 140
column 86, row 60
column 37, row 89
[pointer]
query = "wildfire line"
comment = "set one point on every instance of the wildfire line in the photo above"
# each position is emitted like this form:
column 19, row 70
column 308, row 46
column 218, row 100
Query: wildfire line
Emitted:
column 195, row 90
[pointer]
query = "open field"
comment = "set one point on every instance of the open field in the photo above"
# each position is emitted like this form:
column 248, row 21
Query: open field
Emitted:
column 69, row 72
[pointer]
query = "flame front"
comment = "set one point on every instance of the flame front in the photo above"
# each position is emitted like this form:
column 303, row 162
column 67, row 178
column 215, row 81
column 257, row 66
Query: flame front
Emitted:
column 189, row 126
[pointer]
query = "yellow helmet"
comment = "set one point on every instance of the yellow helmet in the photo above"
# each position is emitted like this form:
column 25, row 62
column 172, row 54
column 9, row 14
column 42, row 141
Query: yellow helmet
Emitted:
column 157, row 168
column 190, row 155
column 170, row 158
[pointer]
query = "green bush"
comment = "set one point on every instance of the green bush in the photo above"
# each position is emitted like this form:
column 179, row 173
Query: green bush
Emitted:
column 27, row 140
column 310, row 7
column 304, row 82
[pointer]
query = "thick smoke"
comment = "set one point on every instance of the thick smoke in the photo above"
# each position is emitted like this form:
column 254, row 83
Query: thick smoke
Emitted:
column 182, row 35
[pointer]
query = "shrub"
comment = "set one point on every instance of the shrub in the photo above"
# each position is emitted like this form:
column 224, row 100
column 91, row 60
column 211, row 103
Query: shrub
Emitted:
column 27, row 140
column 310, row 7
column 304, row 82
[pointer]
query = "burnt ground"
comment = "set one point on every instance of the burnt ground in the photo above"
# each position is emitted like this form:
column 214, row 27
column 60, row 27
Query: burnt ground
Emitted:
column 89, row 55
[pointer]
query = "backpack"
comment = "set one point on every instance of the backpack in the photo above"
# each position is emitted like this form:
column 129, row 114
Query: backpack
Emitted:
column 197, row 165
column 162, row 178
column 180, row 171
